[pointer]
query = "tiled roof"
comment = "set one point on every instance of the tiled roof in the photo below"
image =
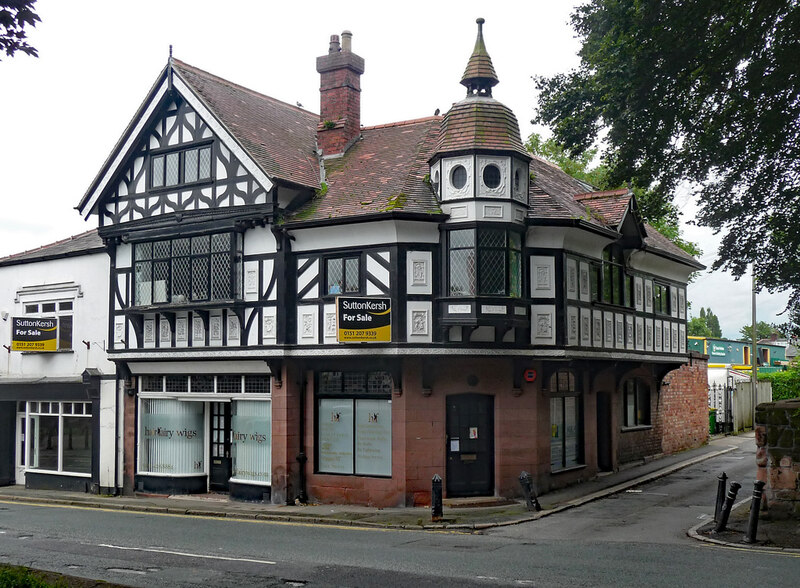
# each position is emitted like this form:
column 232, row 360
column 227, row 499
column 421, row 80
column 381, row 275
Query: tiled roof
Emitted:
column 480, row 71
column 480, row 122
column 611, row 205
column 657, row 241
column 82, row 244
column 552, row 194
column 383, row 172
column 279, row 137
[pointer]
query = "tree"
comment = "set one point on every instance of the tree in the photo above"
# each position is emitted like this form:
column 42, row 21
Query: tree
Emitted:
column 663, row 215
column 763, row 331
column 15, row 15
column 704, row 91
column 705, row 325
column 697, row 327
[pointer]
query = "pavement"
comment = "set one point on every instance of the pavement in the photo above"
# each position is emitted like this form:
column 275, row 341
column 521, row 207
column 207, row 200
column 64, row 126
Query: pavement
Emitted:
column 464, row 515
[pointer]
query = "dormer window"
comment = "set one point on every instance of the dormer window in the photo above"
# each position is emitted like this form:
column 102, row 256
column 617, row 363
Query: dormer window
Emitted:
column 181, row 167
column 435, row 182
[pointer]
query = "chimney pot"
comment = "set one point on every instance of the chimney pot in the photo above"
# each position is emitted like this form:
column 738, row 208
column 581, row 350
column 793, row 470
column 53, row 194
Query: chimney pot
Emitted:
column 334, row 47
column 347, row 41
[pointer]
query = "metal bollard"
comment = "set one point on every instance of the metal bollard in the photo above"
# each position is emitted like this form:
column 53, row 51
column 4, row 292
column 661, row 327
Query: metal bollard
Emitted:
column 755, row 506
column 436, row 498
column 526, row 481
column 726, row 508
column 721, row 482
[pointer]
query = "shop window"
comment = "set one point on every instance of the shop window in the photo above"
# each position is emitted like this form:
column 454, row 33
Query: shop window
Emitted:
column 637, row 403
column 342, row 275
column 60, row 437
column 354, row 423
column 251, row 441
column 226, row 384
column 181, row 167
column 566, row 428
column 171, row 437
column 485, row 261
column 197, row 269
column 62, row 311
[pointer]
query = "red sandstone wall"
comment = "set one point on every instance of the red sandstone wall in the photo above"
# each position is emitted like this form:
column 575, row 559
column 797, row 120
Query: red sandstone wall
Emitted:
column 684, row 406
column 778, row 456
column 128, row 443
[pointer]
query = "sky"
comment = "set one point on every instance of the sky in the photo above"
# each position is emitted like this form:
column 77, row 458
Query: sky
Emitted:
column 64, row 112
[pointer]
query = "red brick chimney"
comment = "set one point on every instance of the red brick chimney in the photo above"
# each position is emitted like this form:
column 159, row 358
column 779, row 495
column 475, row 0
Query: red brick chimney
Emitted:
column 340, row 97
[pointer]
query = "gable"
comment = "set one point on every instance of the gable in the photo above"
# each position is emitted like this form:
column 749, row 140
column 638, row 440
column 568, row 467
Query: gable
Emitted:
column 172, row 118
column 179, row 165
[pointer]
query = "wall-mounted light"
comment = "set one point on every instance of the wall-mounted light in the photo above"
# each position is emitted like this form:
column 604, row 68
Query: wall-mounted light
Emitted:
column 4, row 315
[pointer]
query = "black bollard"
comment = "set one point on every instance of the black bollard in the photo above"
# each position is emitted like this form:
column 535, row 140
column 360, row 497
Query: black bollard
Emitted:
column 436, row 498
column 526, row 481
column 755, row 506
column 721, row 480
column 726, row 508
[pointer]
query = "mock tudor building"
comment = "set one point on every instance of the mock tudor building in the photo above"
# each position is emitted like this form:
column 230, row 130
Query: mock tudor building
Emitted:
column 304, row 307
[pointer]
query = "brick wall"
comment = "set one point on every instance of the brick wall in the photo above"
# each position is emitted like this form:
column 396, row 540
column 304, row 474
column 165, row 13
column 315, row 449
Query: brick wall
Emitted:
column 778, row 456
column 684, row 406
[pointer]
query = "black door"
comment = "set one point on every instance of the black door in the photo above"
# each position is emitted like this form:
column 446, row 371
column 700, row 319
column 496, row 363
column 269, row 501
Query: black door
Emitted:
column 8, row 431
column 470, row 445
column 220, row 446
column 604, row 461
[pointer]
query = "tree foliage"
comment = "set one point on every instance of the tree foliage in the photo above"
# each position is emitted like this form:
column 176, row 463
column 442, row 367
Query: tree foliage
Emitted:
column 15, row 15
column 763, row 331
column 704, row 91
column 660, row 213
column 785, row 384
column 705, row 325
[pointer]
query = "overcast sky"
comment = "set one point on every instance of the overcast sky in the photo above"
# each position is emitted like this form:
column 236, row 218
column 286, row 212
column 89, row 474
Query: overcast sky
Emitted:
column 63, row 112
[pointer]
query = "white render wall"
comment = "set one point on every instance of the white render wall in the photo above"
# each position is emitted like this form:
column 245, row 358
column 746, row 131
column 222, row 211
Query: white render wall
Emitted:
column 82, row 279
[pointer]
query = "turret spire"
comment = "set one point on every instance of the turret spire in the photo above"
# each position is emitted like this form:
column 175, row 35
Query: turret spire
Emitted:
column 479, row 77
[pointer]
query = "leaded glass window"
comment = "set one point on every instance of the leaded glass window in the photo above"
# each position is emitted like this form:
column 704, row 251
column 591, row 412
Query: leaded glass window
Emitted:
column 484, row 261
column 180, row 167
column 342, row 275
column 181, row 270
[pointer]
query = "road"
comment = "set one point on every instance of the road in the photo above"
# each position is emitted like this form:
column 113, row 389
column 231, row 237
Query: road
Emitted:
column 631, row 539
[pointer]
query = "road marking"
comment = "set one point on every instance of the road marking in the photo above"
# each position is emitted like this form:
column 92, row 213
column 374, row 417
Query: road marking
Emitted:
column 187, row 554
column 234, row 519
column 750, row 550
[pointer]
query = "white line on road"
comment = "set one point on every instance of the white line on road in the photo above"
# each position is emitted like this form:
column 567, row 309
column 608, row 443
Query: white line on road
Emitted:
column 186, row 554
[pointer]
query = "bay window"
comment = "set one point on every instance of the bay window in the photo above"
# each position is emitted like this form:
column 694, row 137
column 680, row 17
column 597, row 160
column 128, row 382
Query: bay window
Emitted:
column 484, row 262
column 175, row 271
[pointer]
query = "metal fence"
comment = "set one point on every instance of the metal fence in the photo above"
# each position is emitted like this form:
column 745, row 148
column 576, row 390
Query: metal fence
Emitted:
column 734, row 404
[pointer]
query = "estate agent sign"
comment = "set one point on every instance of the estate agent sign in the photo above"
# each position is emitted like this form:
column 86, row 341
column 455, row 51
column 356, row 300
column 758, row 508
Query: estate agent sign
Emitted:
column 34, row 334
column 363, row 320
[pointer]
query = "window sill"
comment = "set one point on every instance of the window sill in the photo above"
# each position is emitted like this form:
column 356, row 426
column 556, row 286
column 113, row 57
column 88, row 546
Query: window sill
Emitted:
column 569, row 469
column 57, row 473
column 637, row 428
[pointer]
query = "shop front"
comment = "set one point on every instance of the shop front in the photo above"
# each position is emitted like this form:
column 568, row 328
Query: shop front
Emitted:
column 204, row 432
column 50, row 435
